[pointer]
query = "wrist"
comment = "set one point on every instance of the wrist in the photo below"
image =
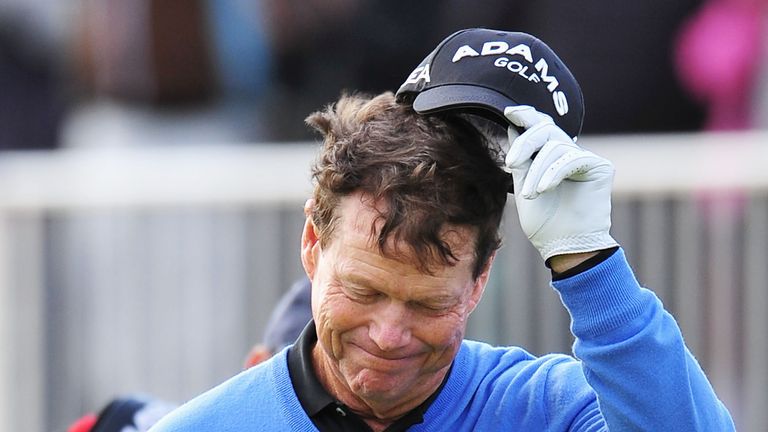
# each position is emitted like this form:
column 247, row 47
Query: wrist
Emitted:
column 564, row 262
column 574, row 244
column 598, row 257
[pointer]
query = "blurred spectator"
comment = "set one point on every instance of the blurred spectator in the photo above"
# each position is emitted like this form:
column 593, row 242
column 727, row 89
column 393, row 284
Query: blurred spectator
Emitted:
column 32, row 105
column 169, row 72
column 203, row 71
column 172, row 52
column 124, row 414
column 154, row 52
column 324, row 47
column 719, row 53
column 620, row 52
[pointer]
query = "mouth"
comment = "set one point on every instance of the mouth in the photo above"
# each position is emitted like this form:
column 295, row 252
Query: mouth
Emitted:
column 385, row 361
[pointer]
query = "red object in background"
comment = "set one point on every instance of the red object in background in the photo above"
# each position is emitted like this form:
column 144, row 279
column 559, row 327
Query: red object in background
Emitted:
column 84, row 424
column 258, row 354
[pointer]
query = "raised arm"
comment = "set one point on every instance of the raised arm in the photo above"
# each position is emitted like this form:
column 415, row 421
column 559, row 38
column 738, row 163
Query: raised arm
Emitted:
column 632, row 352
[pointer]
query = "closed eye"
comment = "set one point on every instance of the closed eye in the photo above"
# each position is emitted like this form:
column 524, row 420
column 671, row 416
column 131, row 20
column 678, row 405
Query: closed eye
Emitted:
column 362, row 295
column 429, row 308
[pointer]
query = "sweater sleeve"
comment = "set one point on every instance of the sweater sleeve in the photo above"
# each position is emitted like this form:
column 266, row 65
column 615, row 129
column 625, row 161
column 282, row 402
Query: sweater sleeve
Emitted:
column 633, row 354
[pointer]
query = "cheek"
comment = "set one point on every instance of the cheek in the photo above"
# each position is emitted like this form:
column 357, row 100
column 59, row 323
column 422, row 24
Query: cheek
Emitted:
column 335, row 315
column 337, row 312
column 443, row 334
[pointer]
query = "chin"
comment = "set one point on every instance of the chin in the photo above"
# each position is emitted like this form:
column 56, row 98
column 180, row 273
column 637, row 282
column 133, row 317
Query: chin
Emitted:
column 375, row 385
column 379, row 394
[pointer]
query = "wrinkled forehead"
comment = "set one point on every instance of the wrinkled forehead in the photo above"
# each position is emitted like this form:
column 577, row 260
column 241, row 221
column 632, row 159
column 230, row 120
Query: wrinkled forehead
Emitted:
column 360, row 215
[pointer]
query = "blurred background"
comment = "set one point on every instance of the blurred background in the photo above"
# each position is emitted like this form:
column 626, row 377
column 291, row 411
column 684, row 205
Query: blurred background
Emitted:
column 154, row 163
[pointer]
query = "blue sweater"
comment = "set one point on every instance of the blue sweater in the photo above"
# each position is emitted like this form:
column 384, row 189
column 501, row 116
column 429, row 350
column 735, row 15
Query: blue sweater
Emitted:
column 633, row 373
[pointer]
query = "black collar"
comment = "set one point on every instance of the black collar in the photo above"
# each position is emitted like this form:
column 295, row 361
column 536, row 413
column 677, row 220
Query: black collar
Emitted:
column 326, row 412
column 311, row 393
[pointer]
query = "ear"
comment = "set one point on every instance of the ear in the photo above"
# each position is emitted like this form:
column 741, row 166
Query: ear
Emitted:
column 310, row 242
column 478, row 286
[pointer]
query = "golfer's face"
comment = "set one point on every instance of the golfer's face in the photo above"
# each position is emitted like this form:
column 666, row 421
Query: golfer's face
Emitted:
column 387, row 328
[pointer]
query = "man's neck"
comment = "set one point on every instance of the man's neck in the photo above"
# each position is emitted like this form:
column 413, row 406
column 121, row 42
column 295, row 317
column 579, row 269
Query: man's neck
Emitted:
column 376, row 414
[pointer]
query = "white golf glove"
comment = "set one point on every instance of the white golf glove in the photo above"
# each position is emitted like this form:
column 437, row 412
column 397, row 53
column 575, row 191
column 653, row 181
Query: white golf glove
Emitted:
column 563, row 195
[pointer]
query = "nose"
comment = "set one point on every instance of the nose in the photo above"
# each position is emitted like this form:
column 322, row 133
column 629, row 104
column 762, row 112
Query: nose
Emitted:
column 390, row 328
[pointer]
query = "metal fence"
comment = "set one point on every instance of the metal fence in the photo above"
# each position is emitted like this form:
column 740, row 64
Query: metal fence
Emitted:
column 154, row 270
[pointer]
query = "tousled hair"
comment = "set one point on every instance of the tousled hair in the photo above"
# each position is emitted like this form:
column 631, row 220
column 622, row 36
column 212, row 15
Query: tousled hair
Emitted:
column 428, row 171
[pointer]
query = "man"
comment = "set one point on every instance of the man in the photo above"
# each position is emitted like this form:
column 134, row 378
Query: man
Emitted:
column 399, row 240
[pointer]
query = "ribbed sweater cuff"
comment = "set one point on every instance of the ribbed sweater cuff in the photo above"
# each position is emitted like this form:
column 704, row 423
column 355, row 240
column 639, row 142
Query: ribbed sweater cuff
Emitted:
column 603, row 298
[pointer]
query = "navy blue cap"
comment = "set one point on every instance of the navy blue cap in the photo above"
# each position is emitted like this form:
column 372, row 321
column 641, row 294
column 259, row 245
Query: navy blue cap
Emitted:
column 290, row 316
column 484, row 71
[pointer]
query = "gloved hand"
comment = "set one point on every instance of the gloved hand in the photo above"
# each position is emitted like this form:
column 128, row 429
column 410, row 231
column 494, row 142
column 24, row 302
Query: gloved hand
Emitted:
column 563, row 195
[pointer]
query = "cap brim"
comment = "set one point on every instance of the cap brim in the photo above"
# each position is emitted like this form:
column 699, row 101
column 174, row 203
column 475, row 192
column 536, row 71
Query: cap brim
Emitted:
column 482, row 100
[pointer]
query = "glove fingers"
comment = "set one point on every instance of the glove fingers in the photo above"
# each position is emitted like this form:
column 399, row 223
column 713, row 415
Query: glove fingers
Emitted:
column 548, row 155
column 519, row 174
column 525, row 116
column 539, row 128
column 521, row 145
column 528, row 143
column 576, row 165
